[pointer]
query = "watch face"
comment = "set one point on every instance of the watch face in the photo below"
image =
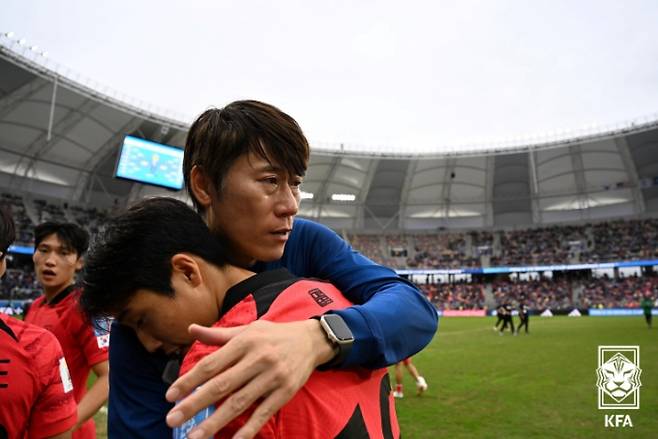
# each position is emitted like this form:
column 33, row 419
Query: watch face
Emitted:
column 338, row 327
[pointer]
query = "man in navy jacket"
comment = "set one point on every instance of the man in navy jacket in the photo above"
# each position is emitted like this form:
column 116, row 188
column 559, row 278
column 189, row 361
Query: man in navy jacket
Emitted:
column 243, row 168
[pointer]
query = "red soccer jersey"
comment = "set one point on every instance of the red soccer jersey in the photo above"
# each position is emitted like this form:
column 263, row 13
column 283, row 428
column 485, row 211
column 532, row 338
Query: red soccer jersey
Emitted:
column 36, row 397
column 83, row 345
column 332, row 404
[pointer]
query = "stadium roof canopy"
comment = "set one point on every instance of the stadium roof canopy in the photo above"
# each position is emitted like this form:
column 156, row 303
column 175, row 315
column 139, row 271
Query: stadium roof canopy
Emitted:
column 59, row 138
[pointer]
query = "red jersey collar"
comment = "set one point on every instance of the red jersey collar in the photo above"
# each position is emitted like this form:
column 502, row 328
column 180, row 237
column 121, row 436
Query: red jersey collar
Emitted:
column 239, row 291
column 60, row 296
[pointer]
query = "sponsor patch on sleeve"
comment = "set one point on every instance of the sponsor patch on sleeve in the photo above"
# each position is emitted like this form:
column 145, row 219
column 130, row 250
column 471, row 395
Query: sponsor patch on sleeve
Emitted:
column 64, row 374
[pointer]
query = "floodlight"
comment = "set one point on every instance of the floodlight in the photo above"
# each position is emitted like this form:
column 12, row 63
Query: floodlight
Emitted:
column 343, row 197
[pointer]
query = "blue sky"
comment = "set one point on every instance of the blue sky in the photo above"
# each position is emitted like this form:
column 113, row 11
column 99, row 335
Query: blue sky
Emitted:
column 402, row 75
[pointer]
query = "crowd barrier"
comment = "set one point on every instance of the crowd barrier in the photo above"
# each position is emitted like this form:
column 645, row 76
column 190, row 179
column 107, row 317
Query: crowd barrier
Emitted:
column 610, row 312
column 596, row 312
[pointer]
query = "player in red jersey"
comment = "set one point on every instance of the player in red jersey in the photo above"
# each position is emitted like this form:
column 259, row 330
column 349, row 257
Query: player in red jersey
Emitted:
column 36, row 398
column 59, row 248
column 167, row 272
column 36, row 394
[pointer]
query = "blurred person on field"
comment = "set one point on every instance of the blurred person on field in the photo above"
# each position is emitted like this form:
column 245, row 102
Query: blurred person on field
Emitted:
column 421, row 384
column 647, row 306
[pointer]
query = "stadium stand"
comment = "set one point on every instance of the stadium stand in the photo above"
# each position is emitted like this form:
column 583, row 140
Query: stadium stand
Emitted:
column 603, row 241
column 92, row 218
column 369, row 245
column 625, row 240
column 620, row 240
column 443, row 250
column 617, row 293
column 459, row 295
column 541, row 294
column 24, row 226
column 46, row 211
column 19, row 284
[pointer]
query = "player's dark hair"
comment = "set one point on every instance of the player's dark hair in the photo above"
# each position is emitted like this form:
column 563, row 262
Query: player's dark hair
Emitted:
column 218, row 137
column 72, row 236
column 134, row 252
column 7, row 229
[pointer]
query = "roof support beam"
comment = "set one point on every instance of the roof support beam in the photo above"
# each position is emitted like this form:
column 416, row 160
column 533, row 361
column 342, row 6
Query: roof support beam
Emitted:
column 370, row 175
column 629, row 164
column 9, row 102
column 42, row 144
column 446, row 189
column 321, row 198
column 537, row 217
column 102, row 154
column 404, row 194
column 579, row 176
column 53, row 101
column 489, row 191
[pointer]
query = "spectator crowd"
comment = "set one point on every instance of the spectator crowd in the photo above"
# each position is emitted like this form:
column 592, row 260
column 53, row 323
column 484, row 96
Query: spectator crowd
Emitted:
column 536, row 294
column 600, row 242
column 618, row 293
column 555, row 245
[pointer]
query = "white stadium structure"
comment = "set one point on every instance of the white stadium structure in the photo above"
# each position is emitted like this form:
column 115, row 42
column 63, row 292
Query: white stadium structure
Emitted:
column 60, row 136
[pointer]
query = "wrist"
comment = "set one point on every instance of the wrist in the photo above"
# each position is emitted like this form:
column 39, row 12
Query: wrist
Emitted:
column 324, row 350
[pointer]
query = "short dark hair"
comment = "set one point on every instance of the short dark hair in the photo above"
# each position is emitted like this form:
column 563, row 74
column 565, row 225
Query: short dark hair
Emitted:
column 71, row 235
column 7, row 229
column 218, row 137
column 134, row 252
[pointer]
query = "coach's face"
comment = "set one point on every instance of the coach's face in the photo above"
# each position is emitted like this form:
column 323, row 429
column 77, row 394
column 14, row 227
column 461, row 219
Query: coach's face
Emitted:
column 254, row 208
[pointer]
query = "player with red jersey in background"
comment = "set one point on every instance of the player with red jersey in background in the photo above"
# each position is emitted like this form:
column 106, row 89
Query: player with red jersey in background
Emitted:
column 36, row 397
column 59, row 248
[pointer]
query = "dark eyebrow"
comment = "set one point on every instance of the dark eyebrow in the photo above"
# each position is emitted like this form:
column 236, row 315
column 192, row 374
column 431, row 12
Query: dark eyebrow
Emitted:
column 269, row 167
column 60, row 247
column 276, row 169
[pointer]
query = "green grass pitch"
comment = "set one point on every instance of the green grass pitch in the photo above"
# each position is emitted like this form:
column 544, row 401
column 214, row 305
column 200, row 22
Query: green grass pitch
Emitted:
column 542, row 385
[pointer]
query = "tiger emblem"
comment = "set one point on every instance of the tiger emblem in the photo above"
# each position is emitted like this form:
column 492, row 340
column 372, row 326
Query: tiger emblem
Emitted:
column 618, row 377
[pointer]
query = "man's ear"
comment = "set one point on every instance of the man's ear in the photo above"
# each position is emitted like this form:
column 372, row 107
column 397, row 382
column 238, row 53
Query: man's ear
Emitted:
column 188, row 267
column 79, row 264
column 201, row 186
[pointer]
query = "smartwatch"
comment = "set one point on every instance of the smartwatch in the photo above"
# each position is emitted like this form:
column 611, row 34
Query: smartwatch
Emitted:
column 339, row 336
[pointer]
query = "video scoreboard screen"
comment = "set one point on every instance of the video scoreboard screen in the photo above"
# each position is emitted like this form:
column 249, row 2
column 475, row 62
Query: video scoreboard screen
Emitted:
column 150, row 162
